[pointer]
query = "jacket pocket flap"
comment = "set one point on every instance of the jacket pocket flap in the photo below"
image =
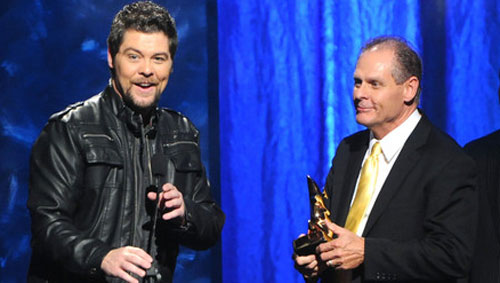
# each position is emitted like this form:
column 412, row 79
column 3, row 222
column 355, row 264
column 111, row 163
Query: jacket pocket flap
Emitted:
column 106, row 155
column 184, row 155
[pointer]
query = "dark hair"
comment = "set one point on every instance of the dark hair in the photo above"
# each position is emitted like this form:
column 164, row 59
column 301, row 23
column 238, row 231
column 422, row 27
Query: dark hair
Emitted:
column 143, row 16
column 407, row 64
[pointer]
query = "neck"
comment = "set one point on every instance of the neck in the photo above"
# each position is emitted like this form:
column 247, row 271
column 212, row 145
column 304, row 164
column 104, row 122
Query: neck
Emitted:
column 146, row 113
column 382, row 131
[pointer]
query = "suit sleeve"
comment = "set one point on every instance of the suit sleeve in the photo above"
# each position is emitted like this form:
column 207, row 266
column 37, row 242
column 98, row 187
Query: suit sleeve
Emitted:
column 446, row 247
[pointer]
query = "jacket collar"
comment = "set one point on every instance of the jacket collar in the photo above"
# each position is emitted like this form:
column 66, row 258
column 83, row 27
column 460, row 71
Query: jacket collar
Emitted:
column 132, row 119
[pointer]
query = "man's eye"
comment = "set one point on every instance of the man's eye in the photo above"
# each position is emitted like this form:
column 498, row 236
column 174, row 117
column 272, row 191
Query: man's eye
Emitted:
column 133, row 57
column 160, row 59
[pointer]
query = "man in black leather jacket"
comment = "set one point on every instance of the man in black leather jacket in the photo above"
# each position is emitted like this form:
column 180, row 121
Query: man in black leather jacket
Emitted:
column 100, row 168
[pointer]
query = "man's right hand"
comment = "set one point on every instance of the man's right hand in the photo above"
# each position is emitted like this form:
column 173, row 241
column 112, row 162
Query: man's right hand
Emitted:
column 307, row 265
column 122, row 261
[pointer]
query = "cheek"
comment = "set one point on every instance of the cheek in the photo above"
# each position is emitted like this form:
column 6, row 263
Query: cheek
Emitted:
column 125, row 70
column 163, row 75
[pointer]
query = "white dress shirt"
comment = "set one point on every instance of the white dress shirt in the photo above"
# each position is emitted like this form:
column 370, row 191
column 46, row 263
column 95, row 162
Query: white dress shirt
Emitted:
column 391, row 146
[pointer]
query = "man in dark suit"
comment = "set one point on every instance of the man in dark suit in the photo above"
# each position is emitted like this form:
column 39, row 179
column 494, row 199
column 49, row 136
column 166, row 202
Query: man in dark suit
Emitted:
column 486, row 260
column 404, row 191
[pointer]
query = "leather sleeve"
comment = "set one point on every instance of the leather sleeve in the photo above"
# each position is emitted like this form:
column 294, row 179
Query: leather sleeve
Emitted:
column 56, row 173
column 204, row 218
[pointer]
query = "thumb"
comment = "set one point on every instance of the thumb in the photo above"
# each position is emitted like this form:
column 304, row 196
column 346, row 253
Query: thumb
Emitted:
column 151, row 195
column 332, row 226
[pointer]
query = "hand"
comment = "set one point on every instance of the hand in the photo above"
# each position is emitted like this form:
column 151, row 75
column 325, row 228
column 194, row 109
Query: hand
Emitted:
column 171, row 201
column 307, row 265
column 122, row 261
column 347, row 251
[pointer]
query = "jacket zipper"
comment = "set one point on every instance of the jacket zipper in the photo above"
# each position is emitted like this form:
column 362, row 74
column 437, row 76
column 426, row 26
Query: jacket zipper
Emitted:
column 136, row 156
column 180, row 142
column 97, row 136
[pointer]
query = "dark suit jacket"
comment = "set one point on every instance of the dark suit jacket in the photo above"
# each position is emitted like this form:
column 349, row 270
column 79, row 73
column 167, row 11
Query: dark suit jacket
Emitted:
column 422, row 226
column 486, row 261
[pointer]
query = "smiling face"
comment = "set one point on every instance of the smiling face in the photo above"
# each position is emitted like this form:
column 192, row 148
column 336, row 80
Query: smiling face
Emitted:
column 141, row 67
column 378, row 99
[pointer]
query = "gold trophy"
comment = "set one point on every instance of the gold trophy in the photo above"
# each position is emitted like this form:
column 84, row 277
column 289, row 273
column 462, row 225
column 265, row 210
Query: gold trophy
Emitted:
column 318, row 232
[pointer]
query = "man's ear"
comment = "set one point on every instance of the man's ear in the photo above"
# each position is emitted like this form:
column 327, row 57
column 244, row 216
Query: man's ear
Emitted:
column 110, row 60
column 410, row 89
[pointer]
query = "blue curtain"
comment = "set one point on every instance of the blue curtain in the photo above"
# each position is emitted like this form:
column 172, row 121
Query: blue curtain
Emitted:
column 285, row 94
column 285, row 82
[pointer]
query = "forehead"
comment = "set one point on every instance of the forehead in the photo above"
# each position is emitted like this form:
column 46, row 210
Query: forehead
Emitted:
column 375, row 61
column 142, row 41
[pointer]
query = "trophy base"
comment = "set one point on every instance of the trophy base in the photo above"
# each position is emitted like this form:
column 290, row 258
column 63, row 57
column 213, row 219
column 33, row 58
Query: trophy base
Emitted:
column 306, row 245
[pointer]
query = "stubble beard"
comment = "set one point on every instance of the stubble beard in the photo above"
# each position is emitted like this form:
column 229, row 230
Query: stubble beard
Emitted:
column 132, row 103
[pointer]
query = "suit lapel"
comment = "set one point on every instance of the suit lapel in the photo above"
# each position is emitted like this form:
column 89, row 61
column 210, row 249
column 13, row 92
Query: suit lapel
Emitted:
column 403, row 165
column 356, row 153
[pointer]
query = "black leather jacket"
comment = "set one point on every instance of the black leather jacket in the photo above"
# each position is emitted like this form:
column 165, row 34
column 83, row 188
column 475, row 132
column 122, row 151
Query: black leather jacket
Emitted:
column 89, row 170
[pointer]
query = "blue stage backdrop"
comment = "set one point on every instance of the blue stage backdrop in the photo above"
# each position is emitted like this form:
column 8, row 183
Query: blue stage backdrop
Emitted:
column 53, row 53
column 285, row 88
column 283, row 71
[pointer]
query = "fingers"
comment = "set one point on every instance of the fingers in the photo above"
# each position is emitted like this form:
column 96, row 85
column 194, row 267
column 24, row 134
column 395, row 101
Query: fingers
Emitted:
column 344, row 252
column 125, row 276
column 304, row 260
column 344, row 261
column 176, row 213
column 326, row 247
column 123, row 261
column 170, row 197
column 332, row 258
column 140, row 257
column 169, row 192
column 307, row 265
column 172, row 201
column 132, row 268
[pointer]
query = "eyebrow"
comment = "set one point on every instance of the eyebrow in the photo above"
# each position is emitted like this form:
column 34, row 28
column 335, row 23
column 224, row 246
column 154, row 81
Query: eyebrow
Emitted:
column 138, row 51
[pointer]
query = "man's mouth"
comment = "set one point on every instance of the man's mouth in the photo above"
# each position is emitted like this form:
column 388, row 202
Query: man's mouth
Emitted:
column 145, row 85
column 362, row 106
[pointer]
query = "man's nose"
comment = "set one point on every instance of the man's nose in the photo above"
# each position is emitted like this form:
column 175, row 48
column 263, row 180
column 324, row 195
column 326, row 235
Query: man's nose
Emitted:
column 146, row 69
column 359, row 91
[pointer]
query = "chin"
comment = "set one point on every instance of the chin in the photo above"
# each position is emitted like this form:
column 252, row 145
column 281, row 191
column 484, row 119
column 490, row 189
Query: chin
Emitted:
column 144, row 106
column 362, row 119
column 139, row 104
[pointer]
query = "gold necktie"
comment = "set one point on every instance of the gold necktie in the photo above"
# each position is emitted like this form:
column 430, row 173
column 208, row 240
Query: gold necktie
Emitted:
column 366, row 186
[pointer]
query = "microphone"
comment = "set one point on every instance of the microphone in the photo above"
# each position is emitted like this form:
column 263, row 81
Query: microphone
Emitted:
column 159, row 168
column 158, row 171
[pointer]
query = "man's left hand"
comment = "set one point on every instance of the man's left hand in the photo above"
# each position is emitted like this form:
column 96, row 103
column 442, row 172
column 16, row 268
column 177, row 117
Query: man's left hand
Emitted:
column 346, row 251
column 171, row 202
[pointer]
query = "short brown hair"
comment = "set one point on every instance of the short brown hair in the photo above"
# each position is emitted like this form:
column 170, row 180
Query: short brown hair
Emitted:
column 143, row 16
column 408, row 63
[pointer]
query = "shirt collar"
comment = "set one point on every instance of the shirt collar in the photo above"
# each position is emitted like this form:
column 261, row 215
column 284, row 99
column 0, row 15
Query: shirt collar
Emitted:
column 394, row 141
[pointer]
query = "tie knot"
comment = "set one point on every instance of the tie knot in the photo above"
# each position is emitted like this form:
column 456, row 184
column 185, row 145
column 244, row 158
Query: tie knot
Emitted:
column 376, row 149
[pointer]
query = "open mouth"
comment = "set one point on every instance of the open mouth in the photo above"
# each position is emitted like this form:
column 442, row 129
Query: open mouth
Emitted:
column 145, row 85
